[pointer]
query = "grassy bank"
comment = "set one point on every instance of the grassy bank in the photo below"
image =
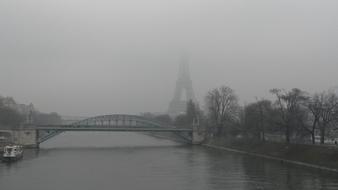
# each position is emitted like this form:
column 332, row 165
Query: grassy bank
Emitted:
column 324, row 156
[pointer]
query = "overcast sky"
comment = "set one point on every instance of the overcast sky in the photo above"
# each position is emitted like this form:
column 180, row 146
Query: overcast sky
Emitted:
column 86, row 57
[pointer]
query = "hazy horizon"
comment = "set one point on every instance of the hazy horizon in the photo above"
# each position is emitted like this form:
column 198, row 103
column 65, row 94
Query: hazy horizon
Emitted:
column 86, row 58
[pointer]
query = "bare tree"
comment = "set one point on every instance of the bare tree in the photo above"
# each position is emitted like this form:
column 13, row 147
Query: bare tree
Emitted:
column 315, row 107
column 257, row 116
column 193, row 111
column 8, row 115
column 222, row 107
column 192, row 114
column 329, row 112
column 290, row 105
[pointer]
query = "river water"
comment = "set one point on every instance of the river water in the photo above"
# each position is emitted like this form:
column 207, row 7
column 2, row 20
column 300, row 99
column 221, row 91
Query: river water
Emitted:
column 128, row 161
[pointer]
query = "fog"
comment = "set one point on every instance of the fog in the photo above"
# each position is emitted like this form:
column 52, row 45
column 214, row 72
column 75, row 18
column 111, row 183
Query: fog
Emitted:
column 85, row 57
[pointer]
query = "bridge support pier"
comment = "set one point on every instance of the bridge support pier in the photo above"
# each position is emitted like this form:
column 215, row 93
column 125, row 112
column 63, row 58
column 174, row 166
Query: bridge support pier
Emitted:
column 198, row 134
column 25, row 137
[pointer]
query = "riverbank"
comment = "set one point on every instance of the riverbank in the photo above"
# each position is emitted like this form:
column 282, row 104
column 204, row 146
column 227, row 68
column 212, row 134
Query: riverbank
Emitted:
column 314, row 156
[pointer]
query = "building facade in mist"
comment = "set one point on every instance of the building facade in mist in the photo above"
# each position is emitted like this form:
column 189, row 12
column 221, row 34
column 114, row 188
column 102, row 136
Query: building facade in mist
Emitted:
column 183, row 84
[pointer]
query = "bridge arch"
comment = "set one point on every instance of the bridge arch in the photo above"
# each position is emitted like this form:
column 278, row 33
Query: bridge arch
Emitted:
column 115, row 122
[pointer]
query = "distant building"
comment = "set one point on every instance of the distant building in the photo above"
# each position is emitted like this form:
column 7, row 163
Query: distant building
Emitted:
column 184, row 83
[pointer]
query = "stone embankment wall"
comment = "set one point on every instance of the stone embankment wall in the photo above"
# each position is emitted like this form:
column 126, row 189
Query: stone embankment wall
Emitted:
column 26, row 137
column 314, row 156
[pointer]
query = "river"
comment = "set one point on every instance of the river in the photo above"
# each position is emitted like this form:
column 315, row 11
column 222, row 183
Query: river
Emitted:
column 128, row 161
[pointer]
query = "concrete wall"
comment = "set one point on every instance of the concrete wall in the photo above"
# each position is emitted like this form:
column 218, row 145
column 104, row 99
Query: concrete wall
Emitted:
column 6, row 136
column 198, row 135
column 26, row 137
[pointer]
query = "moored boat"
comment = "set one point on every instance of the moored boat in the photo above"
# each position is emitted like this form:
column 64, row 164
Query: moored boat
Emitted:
column 12, row 152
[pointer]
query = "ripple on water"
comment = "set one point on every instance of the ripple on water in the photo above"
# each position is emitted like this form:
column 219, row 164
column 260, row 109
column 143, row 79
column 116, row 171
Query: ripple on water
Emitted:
column 135, row 161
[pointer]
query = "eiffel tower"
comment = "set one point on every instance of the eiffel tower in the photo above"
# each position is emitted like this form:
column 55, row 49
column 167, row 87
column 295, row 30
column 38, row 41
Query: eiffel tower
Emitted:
column 178, row 106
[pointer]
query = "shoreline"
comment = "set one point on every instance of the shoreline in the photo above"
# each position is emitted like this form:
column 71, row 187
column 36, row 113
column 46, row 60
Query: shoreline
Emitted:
column 266, row 156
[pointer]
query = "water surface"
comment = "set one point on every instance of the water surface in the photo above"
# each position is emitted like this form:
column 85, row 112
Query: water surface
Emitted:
column 127, row 161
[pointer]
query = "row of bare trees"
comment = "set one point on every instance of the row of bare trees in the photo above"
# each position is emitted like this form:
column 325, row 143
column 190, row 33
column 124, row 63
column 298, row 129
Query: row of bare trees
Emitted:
column 294, row 114
column 9, row 116
column 12, row 116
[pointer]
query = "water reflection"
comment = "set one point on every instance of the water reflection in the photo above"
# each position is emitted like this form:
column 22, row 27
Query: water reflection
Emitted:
column 249, row 172
column 135, row 161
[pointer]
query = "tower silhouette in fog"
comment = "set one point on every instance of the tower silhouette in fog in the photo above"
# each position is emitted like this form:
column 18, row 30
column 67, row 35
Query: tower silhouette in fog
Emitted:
column 183, row 84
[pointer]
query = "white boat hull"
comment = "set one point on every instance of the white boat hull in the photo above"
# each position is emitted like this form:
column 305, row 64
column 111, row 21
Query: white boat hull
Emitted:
column 12, row 153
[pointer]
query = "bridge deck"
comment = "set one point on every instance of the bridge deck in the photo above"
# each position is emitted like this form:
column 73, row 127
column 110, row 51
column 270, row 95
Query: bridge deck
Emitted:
column 121, row 129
